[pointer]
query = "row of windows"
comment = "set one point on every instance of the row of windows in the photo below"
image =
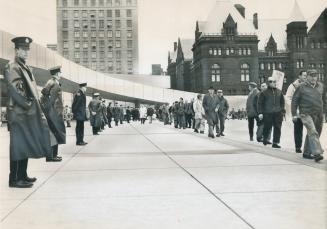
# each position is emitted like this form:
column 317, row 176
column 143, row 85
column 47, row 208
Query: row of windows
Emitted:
column 319, row 66
column 110, row 67
column 99, row 34
column 93, row 13
column 216, row 73
column 318, row 45
column 98, row 2
column 229, row 51
column 102, row 55
column 93, row 24
column 271, row 66
column 93, row 44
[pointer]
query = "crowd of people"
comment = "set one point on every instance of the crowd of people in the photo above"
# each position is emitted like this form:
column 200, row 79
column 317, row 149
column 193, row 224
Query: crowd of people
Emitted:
column 37, row 122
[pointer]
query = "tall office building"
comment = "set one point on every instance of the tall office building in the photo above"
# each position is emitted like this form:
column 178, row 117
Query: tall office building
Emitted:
column 99, row 34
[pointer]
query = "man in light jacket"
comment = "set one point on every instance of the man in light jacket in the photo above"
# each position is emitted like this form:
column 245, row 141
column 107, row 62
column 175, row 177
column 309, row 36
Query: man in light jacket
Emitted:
column 198, row 115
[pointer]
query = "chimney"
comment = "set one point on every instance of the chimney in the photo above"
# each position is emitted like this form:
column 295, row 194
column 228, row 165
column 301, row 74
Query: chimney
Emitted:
column 255, row 20
column 240, row 9
column 175, row 46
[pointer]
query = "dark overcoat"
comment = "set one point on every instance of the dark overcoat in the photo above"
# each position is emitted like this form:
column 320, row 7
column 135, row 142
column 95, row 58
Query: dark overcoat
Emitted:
column 210, row 103
column 52, row 104
column 116, row 113
column 95, row 106
column 29, row 131
column 79, row 106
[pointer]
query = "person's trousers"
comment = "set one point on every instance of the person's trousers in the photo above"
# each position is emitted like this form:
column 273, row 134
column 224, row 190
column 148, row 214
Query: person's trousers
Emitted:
column 251, row 124
column 220, row 126
column 79, row 130
column 150, row 118
column 54, row 151
column 199, row 124
column 175, row 121
column 272, row 120
column 95, row 130
column 18, row 170
column 298, row 133
column 313, row 124
column 116, row 122
column 260, row 131
column 142, row 120
column 181, row 121
column 188, row 118
column 210, row 130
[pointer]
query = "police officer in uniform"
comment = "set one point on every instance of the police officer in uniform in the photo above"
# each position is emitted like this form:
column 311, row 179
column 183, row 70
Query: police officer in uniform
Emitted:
column 95, row 108
column 29, row 131
column 79, row 112
column 53, row 108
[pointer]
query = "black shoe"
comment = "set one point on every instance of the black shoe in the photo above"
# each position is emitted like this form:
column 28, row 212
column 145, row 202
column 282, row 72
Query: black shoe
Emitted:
column 259, row 140
column 81, row 143
column 318, row 158
column 268, row 142
column 59, row 157
column 222, row 134
column 275, row 145
column 196, row 131
column 308, row 156
column 54, row 159
column 298, row 150
column 211, row 136
column 201, row 132
column 217, row 135
column 251, row 139
column 20, row 184
column 30, row 179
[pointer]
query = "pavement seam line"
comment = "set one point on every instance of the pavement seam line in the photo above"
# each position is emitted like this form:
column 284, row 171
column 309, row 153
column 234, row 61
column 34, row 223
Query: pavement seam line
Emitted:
column 194, row 178
column 43, row 183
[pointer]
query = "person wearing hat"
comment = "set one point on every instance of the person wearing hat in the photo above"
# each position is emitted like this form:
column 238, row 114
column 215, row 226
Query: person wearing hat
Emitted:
column 104, row 114
column 116, row 113
column 271, row 109
column 251, row 108
column 222, row 113
column 210, row 104
column 53, row 108
column 298, row 125
column 79, row 113
column 29, row 130
column 310, row 101
column 95, row 108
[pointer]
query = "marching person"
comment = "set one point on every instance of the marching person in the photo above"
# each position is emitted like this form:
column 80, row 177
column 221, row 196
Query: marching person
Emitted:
column 149, row 113
column 188, row 114
column 143, row 114
column 116, row 113
column 79, row 113
column 53, row 109
column 174, row 113
column 222, row 113
column 29, row 131
column 251, row 108
column 181, row 114
column 310, row 101
column 298, row 125
column 109, row 115
column 198, row 115
column 104, row 120
column 67, row 115
column 271, row 109
column 210, row 103
column 128, row 114
column 121, row 114
column 95, row 108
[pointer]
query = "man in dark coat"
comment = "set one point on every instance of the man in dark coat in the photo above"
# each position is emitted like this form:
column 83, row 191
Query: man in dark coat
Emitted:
column 29, row 131
column 271, row 108
column 109, row 115
column 222, row 113
column 181, row 114
column 79, row 112
column 128, row 114
column 53, row 108
column 95, row 108
column 251, row 108
column 116, row 114
column 210, row 104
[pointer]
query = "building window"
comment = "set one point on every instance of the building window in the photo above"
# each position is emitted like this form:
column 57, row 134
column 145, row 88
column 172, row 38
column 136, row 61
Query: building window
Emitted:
column 312, row 44
column 245, row 73
column 94, row 55
column 101, row 13
column 128, row 2
column 65, row 14
column 76, row 2
column 129, row 44
column 76, row 44
column 110, row 66
column 249, row 51
column 65, row 24
column 118, row 64
column 76, row 24
column 65, row 34
column 240, row 51
column 268, row 66
column 85, row 44
column 109, row 33
column 110, row 44
column 65, row 45
column 101, row 23
column 101, row 34
column 94, row 66
column 76, row 55
column 64, row 3
column 299, row 63
column 109, row 13
column 101, row 2
column 244, row 51
column 84, row 13
column 280, row 66
column 232, row 50
column 118, row 54
column 101, row 43
column 129, row 23
column 219, row 51
column 93, row 44
column 215, row 73
column 318, row 45
column 109, row 24
column 93, row 33
column 93, row 2
column 227, row 51
column 85, row 34
column 85, row 54
column 117, row 23
column 130, row 65
column 210, row 51
column 76, row 13
column 129, row 54
column 76, row 34
column 84, row 24
column 102, row 55
column 109, row 2
column 117, row 2
column 129, row 34
column 110, row 54
column 84, row 2
column 262, row 66
column 93, row 24
column 273, row 66
column 117, row 13
column 118, row 44
column 65, row 54
column 129, row 13
column 117, row 33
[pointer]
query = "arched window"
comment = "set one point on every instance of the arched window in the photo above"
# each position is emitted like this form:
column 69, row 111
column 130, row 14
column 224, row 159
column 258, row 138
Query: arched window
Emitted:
column 215, row 73
column 245, row 72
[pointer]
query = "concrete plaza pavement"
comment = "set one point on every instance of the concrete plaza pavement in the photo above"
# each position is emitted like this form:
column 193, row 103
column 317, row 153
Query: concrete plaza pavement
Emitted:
column 155, row 176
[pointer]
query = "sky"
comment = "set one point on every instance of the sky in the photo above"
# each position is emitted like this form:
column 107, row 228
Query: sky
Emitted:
column 161, row 22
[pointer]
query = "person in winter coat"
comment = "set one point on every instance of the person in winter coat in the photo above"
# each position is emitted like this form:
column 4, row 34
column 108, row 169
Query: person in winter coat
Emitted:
column 251, row 108
column 211, row 105
column 95, row 108
column 223, row 107
column 198, row 115
column 150, row 112
column 109, row 115
column 143, row 114
column 116, row 114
